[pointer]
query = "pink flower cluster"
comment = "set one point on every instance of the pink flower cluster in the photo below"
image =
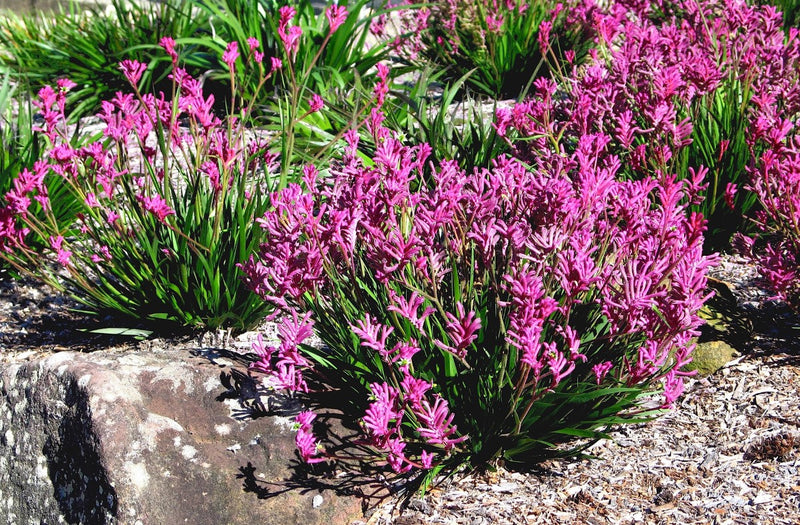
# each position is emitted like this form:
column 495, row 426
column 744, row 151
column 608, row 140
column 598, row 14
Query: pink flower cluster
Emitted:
column 775, row 171
column 558, row 250
column 634, row 91
column 126, row 172
column 654, row 62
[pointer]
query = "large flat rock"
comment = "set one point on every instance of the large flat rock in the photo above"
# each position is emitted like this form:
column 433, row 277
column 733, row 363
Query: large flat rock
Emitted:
column 146, row 438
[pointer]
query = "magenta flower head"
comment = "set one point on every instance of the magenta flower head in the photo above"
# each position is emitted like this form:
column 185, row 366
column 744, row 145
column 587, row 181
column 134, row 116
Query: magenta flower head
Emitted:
column 308, row 446
column 304, row 420
column 157, row 206
column 132, row 69
column 730, row 194
column 63, row 255
column 494, row 23
column 168, row 44
column 231, row 54
column 316, row 103
column 290, row 35
column 286, row 14
column 65, row 84
column 254, row 44
column 336, row 16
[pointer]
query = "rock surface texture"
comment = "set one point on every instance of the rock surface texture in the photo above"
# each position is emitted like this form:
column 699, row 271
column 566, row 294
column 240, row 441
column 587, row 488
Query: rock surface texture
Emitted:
column 146, row 438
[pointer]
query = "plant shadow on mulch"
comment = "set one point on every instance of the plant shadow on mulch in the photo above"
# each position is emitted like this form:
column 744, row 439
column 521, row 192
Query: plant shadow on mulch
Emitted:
column 777, row 330
column 36, row 317
column 757, row 329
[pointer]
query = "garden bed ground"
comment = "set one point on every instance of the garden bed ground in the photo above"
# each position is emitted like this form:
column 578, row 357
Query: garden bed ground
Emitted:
column 729, row 453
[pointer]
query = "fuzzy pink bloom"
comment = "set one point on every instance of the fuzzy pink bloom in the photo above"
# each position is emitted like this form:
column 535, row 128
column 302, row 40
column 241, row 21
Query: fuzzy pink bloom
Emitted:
column 132, row 69
column 409, row 309
column 288, row 377
column 104, row 254
column 254, row 44
column 396, row 456
column 414, row 389
column 168, row 44
column 65, row 84
column 381, row 88
column 264, row 353
column 307, row 445
column 286, row 14
column 157, row 206
column 231, row 54
column 438, row 424
column 494, row 23
column 601, row 369
column 426, row 460
column 673, row 388
column 373, row 335
column 304, row 419
column 91, row 200
column 380, row 414
column 336, row 16
column 730, row 194
column 289, row 35
column 316, row 103
column 462, row 329
column 62, row 255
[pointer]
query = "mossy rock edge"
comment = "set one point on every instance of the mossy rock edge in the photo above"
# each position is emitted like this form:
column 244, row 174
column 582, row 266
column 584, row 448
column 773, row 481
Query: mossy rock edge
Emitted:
column 710, row 356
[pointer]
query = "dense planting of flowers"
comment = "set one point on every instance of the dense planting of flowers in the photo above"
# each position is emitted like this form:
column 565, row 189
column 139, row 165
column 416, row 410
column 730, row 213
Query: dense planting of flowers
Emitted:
column 459, row 308
column 468, row 315
column 774, row 140
column 671, row 88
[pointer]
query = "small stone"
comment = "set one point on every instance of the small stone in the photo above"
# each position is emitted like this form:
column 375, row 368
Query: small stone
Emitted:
column 761, row 497
column 420, row 505
column 709, row 357
column 317, row 501
column 505, row 487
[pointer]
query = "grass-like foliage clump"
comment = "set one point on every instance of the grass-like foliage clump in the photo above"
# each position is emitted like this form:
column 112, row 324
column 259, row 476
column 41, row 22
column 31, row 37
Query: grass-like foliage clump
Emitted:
column 499, row 46
column 86, row 46
column 168, row 197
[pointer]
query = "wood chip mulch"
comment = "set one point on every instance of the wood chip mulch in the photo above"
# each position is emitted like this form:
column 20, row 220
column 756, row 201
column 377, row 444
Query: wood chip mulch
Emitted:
column 729, row 452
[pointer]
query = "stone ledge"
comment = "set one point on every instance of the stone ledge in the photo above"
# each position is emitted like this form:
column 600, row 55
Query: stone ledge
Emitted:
column 145, row 438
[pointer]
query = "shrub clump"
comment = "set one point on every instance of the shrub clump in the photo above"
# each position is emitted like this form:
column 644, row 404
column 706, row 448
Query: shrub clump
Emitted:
column 470, row 316
column 499, row 47
column 166, row 197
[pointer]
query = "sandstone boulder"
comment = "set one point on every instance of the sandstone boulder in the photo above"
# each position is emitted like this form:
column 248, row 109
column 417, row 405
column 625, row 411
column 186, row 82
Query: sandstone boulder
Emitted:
column 146, row 438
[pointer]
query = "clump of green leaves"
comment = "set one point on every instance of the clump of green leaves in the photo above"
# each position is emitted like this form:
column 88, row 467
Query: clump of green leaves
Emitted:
column 458, row 128
column 503, row 45
column 168, row 200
